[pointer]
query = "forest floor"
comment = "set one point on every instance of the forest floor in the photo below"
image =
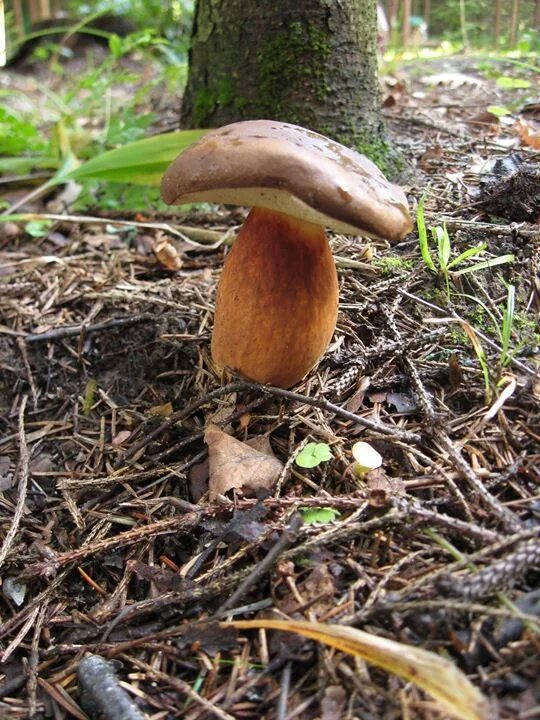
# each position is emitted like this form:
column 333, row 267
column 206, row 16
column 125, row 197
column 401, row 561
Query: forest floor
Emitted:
column 109, row 542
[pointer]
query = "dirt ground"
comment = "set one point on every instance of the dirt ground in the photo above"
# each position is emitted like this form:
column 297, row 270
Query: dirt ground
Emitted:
column 110, row 544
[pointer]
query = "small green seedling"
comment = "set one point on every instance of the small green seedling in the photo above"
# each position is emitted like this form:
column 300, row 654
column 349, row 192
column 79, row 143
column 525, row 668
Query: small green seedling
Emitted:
column 447, row 264
column 318, row 515
column 313, row 454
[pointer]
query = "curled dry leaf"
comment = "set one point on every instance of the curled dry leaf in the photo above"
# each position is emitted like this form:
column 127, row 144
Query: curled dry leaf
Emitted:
column 436, row 675
column 166, row 253
column 236, row 465
column 529, row 132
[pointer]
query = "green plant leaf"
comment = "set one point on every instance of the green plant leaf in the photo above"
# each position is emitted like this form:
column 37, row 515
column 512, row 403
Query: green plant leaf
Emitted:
column 440, row 235
column 320, row 515
column 422, row 235
column 38, row 228
column 512, row 83
column 486, row 264
column 313, row 454
column 471, row 252
column 25, row 163
column 498, row 110
column 142, row 162
column 508, row 322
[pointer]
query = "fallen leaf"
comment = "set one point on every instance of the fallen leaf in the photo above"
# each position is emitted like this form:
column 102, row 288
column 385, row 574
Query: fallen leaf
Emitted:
column 14, row 590
column 382, row 487
column 120, row 438
column 224, row 410
column 529, row 133
column 166, row 253
column 402, row 402
column 161, row 410
column 209, row 637
column 198, row 480
column 234, row 465
column 333, row 703
column 433, row 673
column 7, row 478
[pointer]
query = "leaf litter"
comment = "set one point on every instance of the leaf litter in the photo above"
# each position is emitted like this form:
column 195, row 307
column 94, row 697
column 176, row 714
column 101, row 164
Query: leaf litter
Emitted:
column 113, row 553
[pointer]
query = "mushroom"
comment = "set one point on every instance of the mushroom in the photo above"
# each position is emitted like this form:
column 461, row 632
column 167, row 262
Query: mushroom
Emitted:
column 277, row 298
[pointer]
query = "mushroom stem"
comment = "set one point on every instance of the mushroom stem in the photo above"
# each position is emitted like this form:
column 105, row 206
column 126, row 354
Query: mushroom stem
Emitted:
column 277, row 299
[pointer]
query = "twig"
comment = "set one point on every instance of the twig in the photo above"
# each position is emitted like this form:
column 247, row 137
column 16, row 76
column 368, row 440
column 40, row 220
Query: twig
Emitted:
column 22, row 349
column 239, row 386
column 201, row 237
column 281, row 713
column 500, row 574
column 73, row 330
column 323, row 404
column 488, row 227
column 101, row 694
column 181, row 686
column 178, row 416
column 455, row 525
column 177, row 524
column 507, row 518
column 23, row 485
column 31, row 608
column 285, row 541
column 454, row 315
column 31, row 686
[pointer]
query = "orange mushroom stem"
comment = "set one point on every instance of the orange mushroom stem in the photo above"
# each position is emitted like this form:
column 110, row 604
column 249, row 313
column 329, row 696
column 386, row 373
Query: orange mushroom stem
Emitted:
column 277, row 299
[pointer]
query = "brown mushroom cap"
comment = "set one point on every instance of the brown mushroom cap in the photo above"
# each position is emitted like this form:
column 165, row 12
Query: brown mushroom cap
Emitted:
column 283, row 167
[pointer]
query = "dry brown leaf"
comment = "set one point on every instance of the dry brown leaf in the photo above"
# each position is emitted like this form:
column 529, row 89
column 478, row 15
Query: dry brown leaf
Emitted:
column 224, row 410
column 120, row 438
column 236, row 465
column 166, row 253
column 433, row 673
column 529, row 132
column 261, row 443
column 164, row 410
column 333, row 704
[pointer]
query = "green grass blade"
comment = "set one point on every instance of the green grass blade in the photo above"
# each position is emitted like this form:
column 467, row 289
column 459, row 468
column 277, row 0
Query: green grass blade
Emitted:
column 422, row 236
column 485, row 264
column 507, row 324
column 26, row 163
column 440, row 234
column 471, row 252
column 142, row 162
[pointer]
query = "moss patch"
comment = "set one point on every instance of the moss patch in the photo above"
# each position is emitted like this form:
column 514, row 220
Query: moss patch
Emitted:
column 297, row 55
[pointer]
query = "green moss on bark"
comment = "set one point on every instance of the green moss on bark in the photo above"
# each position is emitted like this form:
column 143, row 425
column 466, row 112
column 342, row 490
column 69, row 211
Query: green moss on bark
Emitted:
column 282, row 67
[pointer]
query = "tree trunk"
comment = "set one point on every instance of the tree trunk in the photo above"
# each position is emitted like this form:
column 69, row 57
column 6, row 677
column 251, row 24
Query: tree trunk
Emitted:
column 406, row 23
column 463, row 24
column 427, row 11
column 497, row 31
column 537, row 15
column 514, row 23
column 308, row 62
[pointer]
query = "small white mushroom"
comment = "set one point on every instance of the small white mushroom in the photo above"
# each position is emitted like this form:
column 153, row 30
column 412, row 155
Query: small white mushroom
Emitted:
column 367, row 458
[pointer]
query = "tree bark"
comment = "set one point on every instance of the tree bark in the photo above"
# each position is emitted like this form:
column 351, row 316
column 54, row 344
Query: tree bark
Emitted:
column 497, row 31
column 308, row 62
column 514, row 23
column 406, row 23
